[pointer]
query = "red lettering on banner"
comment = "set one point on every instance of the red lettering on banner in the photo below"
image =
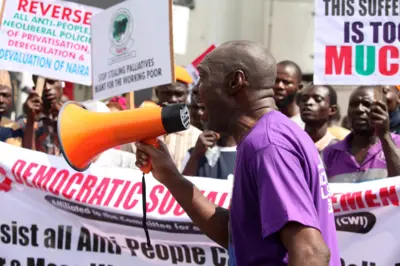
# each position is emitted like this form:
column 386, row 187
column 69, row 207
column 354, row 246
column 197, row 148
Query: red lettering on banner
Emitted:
column 355, row 200
column 6, row 184
column 385, row 53
column 17, row 169
column 115, row 184
column 389, row 194
column 136, row 189
column 154, row 195
column 93, row 190
column 352, row 200
column 54, row 11
column 212, row 196
column 27, row 173
column 385, row 196
column 335, row 201
column 370, row 199
column 178, row 211
column 46, row 181
column 86, row 188
column 122, row 194
column 60, row 178
column 3, row 173
column 61, row 183
column 42, row 177
column 100, row 192
column 76, row 178
column 338, row 63
column 223, row 198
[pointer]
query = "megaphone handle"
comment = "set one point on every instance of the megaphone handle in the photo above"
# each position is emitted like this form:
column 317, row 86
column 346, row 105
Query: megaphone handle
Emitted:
column 147, row 169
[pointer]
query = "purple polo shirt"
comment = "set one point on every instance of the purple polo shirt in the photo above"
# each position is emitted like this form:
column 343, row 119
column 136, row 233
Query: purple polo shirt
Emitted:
column 342, row 167
column 279, row 177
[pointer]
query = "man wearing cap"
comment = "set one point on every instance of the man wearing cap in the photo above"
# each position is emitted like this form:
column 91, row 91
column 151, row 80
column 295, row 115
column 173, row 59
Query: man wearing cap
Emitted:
column 370, row 151
column 178, row 143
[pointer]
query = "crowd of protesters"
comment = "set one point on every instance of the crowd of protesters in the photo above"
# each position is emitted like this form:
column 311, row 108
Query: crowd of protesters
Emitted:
column 363, row 147
column 263, row 128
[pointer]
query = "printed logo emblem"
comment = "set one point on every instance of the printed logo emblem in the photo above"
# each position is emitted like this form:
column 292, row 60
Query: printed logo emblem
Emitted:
column 185, row 117
column 120, row 33
column 360, row 223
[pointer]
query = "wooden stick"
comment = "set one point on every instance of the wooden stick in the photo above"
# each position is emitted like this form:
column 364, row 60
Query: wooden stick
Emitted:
column 171, row 40
column 39, row 86
column 2, row 12
column 130, row 100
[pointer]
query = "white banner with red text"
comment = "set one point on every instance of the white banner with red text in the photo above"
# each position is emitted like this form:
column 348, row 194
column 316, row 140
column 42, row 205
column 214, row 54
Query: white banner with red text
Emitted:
column 52, row 215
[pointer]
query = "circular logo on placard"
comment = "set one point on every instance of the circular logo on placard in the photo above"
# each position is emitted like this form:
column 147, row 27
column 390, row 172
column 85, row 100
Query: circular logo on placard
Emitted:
column 121, row 31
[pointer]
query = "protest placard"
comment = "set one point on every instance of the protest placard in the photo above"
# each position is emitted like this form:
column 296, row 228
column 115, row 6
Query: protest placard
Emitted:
column 132, row 47
column 357, row 42
column 192, row 68
column 47, row 38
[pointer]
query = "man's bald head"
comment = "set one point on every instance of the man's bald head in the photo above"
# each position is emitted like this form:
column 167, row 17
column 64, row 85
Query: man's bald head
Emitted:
column 256, row 62
column 237, row 77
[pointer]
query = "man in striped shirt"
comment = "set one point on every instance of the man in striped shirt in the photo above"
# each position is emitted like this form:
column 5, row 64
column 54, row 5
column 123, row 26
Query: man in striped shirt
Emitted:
column 370, row 151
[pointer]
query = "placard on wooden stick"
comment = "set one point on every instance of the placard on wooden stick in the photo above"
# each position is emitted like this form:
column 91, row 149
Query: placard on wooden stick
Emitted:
column 39, row 86
column 3, row 5
column 47, row 38
column 130, row 100
column 131, row 58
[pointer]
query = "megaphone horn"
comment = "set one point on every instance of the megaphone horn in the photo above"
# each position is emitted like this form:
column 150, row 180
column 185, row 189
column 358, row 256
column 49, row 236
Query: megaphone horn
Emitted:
column 83, row 134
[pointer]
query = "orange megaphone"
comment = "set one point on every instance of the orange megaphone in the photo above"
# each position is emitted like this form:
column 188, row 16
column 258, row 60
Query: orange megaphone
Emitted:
column 83, row 134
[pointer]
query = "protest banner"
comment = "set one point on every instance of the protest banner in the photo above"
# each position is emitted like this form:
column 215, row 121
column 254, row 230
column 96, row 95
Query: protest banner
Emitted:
column 135, row 42
column 47, row 38
column 356, row 42
column 53, row 214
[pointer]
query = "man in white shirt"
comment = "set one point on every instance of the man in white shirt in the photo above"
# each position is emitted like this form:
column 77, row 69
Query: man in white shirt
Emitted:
column 213, row 156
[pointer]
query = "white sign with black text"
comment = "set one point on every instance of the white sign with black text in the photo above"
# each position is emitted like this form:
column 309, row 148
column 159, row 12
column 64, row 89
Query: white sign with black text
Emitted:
column 132, row 47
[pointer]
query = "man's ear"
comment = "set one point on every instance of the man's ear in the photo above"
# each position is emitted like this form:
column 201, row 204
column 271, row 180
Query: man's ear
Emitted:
column 333, row 110
column 301, row 86
column 236, row 81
